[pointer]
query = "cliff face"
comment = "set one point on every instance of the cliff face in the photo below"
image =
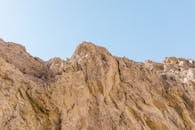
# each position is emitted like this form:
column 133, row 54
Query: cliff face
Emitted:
column 94, row 90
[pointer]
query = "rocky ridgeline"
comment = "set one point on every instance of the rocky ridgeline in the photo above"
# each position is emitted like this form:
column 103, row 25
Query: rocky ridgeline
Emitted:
column 94, row 90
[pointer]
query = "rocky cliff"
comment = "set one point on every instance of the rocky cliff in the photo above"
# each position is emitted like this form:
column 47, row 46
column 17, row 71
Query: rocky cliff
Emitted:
column 94, row 90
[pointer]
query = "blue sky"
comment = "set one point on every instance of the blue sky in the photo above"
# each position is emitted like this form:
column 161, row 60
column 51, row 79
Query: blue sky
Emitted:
column 137, row 29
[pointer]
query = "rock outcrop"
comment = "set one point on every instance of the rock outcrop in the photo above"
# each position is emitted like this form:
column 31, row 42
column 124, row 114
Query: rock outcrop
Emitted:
column 94, row 90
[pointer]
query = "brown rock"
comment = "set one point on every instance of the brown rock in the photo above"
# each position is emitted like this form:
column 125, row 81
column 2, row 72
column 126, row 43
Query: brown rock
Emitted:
column 94, row 90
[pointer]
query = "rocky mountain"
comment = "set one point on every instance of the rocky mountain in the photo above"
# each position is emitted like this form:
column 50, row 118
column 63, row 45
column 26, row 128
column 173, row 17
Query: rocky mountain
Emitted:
column 94, row 90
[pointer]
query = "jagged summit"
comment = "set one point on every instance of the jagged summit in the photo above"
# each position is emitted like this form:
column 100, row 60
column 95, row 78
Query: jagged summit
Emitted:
column 94, row 90
column 88, row 47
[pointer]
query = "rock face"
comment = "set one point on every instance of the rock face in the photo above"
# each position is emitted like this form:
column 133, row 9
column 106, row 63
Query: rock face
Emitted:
column 94, row 90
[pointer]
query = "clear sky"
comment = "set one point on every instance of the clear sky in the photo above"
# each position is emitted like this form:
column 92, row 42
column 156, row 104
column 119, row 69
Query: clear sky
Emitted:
column 137, row 29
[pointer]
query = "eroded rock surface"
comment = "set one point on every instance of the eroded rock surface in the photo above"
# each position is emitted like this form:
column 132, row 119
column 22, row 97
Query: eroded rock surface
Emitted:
column 94, row 90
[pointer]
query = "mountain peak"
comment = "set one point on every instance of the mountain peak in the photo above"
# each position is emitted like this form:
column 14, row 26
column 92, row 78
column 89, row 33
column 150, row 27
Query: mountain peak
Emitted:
column 89, row 48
